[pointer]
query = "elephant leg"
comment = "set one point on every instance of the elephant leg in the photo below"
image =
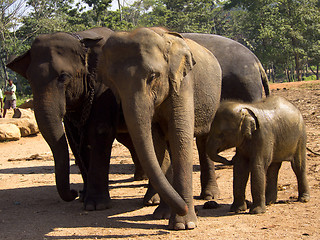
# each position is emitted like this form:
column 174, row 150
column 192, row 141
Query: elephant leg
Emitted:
column 181, row 135
column 163, row 210
column 209, row 186
column 240, row 179
column 272, row 182
column 125, row 139
column 258, row 187
column 75, row 148
column 101, row 134
column 299, row 167
column 151, row 197
column 97, row 196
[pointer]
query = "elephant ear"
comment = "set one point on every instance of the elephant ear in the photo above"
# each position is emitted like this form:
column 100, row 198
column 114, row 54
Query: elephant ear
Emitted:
column 91, row 42
column 20, row 64
column 180, row 59
column 249, row 123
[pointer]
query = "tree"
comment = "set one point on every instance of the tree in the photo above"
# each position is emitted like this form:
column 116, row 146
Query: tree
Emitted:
column 178, row 15
column 11, row 12
column 276, row 30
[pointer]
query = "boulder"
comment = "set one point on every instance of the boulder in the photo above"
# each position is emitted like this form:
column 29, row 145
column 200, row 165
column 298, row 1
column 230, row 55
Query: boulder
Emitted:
column 25, row 122
column 27, row 126
column 9, row 132
column 23, row 113
column 27, row 104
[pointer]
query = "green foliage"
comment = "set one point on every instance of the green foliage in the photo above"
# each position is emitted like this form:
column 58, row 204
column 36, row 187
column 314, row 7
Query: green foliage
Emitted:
column 284, row 34
column 281, row 32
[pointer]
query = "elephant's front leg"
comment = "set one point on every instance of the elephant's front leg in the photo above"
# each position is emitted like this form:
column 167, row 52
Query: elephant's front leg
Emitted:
column 240, row 179
column 258, row 186
column 125, row 139
column 209, row 186
column 97, row 195
column 180, row 135
column 72, row 136
column 152, row 197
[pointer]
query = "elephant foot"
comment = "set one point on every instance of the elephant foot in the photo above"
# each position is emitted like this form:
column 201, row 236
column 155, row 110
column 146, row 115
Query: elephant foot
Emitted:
column 140, row 176
column 271, row 200
column 257, row 210
column 151, row 201
column 97, row 203
column 238, row 207
column 162, row 212
column 209, row 193
column 305, row 197
column 82, row 196
column 151, row 198
column 186, row 222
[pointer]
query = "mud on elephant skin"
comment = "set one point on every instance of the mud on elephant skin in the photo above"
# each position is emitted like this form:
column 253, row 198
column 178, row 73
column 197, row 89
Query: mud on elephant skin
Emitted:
column 264, row 133
column 171, row 86
column 60, row 68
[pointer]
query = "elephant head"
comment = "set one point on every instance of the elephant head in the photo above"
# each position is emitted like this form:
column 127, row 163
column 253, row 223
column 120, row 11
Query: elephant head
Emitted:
column 232, row 125
column 59, row 69
column 144, row 67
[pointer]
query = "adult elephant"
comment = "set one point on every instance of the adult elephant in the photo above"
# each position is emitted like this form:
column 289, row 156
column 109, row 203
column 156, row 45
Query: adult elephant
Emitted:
column 168, row 86
column 60, row 68
column 243, row 78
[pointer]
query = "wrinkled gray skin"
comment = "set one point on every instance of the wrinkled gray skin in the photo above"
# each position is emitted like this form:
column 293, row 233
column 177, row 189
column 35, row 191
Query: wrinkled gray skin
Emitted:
column 265, row 134
column 243, row 78
column 168, row 87
column 60, row 68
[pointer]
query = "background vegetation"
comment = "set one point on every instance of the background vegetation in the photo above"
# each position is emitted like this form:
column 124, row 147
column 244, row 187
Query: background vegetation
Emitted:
column 284, row 34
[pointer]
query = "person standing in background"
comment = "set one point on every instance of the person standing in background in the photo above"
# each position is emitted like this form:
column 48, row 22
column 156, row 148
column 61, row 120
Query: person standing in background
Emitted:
column 11, row 99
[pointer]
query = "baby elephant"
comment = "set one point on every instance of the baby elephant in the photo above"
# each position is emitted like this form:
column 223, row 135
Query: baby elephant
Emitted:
column 264, row 133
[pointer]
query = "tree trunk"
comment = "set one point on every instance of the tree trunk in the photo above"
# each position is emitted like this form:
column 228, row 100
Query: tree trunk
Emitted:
column 298, row 69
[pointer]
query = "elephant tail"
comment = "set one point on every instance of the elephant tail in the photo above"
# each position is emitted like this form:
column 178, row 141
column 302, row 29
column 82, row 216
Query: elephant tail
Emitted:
column 264, row 78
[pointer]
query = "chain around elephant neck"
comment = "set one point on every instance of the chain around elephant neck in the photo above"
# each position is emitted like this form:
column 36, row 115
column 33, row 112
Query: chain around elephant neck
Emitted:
column 89, row 89
column 78, row 124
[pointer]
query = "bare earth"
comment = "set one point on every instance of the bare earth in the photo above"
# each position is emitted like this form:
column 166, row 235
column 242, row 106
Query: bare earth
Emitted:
column 30, row 207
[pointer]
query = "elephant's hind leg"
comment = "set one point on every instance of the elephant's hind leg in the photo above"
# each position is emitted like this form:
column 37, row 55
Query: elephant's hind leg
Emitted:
column 209, row 186
column 272, row 182
column 299, row 167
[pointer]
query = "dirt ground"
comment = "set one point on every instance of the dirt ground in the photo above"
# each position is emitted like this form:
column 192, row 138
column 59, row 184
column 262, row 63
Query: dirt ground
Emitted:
column 30, row 207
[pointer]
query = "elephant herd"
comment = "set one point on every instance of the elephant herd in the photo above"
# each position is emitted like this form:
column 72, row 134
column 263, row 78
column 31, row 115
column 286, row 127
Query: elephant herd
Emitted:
column 151, row 89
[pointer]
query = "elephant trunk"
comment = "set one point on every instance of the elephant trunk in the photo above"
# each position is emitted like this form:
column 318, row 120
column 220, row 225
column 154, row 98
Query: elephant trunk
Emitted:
column 49, row 120
column 213, row 151
column 138, row 120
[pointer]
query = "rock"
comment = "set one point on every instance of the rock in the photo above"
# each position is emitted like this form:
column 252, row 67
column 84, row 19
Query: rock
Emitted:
column 23, row 113
column 27, row 126
column 25, row 120
column 9, row 132
column 27, row 104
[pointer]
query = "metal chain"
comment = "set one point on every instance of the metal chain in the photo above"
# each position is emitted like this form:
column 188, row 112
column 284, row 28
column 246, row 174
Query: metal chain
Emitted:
column 86, row 110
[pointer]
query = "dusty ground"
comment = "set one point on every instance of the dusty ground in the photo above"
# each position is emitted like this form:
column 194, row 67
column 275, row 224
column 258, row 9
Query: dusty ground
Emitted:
column 30, row 207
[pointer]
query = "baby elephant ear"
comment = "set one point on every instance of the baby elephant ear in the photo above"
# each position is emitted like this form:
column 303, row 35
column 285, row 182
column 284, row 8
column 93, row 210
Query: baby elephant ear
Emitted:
column 249, row 123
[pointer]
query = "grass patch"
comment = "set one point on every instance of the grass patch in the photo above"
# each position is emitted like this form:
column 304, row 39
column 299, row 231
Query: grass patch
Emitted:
column 22, row 99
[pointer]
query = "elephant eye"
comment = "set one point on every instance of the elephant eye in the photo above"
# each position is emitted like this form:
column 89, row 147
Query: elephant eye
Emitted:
column 152, row 77
column 64, row 77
